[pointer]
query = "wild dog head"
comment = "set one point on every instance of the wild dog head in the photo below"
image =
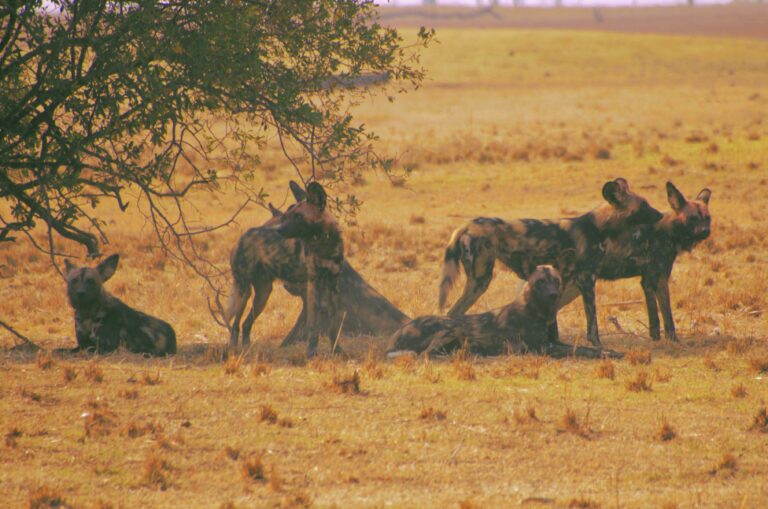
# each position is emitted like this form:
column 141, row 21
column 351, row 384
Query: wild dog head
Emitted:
column 691, row 222
column 624, row 209
column 542, row 290
column 308, row 218
column 85, row 284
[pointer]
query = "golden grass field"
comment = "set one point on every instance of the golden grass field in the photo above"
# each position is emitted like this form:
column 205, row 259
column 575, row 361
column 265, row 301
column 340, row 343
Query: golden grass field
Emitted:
column 513, row 124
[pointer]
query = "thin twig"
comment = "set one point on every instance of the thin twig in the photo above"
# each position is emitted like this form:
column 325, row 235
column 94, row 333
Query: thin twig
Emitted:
column 19, row 335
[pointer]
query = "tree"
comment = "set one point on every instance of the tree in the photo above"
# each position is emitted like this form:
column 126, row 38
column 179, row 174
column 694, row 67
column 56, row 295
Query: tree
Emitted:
column 104, row 98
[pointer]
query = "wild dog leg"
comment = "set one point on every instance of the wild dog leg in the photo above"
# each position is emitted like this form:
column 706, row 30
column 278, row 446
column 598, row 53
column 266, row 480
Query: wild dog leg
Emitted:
column 262, row 290
column 662, row 294
column 586, row 285
column 649, row 289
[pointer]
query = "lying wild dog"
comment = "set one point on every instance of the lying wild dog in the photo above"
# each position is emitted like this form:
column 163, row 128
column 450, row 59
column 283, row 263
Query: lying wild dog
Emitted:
column 320, row 235
column 649, row 251
column 520, row 327
column 524, row 244
column 103, row 322
column 262, row 256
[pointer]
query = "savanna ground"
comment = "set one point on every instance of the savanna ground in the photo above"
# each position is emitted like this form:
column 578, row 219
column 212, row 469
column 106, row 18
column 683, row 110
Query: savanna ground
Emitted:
column 512, row 123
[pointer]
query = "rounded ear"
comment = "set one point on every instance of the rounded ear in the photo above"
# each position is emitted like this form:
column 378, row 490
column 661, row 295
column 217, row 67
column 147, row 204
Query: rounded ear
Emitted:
column 623, row 184
column 108, row 267
column 68, row 266
column 704, row 195
column 275, row 211
column 676, row 199
column 299, row 193
column 615, row 192
column 316, row 195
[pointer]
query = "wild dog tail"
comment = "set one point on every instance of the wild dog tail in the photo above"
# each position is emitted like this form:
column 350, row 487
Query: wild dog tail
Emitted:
column 450, row 266
column 241, row 286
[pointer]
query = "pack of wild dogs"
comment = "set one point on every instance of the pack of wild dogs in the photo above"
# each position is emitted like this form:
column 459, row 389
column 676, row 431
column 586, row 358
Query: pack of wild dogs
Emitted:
column 303, row 247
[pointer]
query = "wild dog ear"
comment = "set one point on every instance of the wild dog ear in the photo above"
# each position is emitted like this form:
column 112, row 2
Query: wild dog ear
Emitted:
column 676, row 199
column 108, row 267
column 704, row 195
column 615, row 192
column 274, row 210
column 316, row 195
column 299, row 193
column 68, row 266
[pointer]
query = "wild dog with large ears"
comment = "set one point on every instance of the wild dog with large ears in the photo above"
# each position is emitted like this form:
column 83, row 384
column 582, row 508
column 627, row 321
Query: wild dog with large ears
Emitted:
column 103, row 322
column 524, row 244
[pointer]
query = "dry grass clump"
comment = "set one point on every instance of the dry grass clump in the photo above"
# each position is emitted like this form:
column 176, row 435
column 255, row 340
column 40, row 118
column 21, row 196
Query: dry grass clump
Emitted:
column 252, row 469
column 528, row 366
column 429, row 413
column 709, row 363
column 636, row 357
column 233, row 364
column 45, row 497
column 372, row 365
column 93, row 372
column 12, row 437
column 31, row 395
column 260, row 366
column 463, row 364
column 726, row 466
column 129, row 394
column 267, row 414
column 232, row 453
column 760, row 421
column 156, row 470
column 527, row 416
column 758, row 364
column 99, row 422
column 583, row 503
column 429, row 372
column 147, row 379
column 69, row 373
column 136, row 430
column 44, row 360
column 406, row 363
column 739, row 391
column 571, row 424
column 349, row 384
column 661, row 376
column 665, row 432
column 641, row 383
column 605, row 369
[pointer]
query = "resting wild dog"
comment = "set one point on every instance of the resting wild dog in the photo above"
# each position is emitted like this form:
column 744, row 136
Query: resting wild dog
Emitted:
column 517, row 327
column 649, row 251
column 310, row 221
column 103, row 322
column 524, row 244
column 262, row 255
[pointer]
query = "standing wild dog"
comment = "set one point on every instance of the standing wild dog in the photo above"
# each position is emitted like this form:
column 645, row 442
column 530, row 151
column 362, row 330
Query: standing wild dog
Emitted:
column 649, row 251
column 520, row 326
column 103, row 322
column 320, row 235
column 524, row 244
column 262, row 256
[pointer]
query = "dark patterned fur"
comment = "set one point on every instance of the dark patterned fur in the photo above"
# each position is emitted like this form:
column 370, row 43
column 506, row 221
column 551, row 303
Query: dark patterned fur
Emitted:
column 103, row 322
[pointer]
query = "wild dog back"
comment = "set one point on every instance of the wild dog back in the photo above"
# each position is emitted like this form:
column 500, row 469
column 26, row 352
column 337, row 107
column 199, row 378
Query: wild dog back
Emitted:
column 103, row 322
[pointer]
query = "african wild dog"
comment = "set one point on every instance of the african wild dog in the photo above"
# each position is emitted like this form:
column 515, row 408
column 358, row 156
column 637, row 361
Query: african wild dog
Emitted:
column 649, row 251
column 520, row 327
column 262, row 256
column 524, row 244
column 103, row 322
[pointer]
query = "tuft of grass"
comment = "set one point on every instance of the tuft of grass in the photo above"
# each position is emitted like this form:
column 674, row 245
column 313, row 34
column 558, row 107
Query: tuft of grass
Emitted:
column 31, row 395
column 738, row 346
column 260, row 366
column 758, row 364
column 372, row 365
column 738, row 391
column 605, row 369
column 661, row 376
column 252, row 469
column 429, row 372
column 136, row 430
column 99, row 422
column 267, row 414
column 232, row 453
column 12, row 436
column 583, row 503
column 45, row 497
column 760, row 421
column 666, row 432
column 93, row 372
column 641, row 383
column 636, row 357
column 727, row 465
column 709, row 363
column 129, row 394
column 156, row 470
column 429, row 413
column 346, row 384
column 463, row 364
column 407, row 363
column 44, row 360
column 528, row 416
column 69, row 373
column 233, row 364
column 147, row 379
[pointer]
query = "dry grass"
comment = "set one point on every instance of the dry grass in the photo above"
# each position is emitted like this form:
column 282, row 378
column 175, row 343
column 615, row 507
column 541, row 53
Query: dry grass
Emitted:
column 510, row 125
column 605, row 369
column 666, row 432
